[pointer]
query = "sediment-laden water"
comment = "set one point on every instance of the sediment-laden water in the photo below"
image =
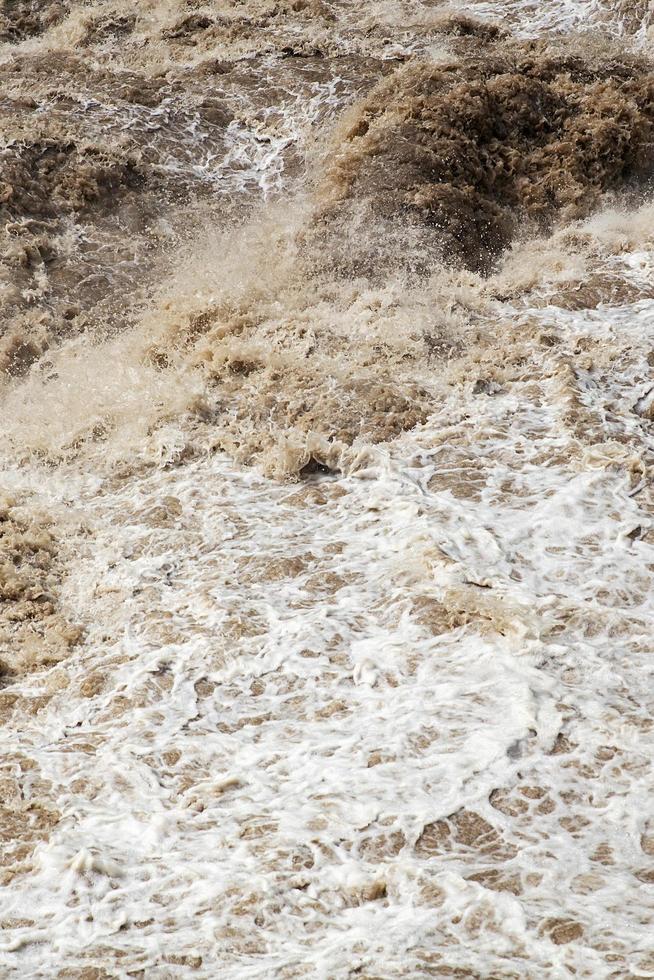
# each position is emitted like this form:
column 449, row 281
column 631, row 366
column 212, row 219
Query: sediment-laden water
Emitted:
column 326, row 510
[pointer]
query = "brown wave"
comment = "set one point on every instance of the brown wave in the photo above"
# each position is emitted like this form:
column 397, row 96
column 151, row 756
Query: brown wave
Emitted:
column 474, row 150
column 21, row 19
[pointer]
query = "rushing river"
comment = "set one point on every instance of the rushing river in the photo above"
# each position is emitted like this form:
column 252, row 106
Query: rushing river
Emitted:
column 326, row 499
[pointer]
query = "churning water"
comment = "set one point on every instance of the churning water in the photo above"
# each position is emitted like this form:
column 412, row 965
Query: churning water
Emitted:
column 326, row 510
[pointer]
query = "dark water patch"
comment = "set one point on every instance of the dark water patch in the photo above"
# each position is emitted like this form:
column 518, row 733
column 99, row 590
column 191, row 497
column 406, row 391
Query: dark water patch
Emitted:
column 474, row 149
column 21, row 19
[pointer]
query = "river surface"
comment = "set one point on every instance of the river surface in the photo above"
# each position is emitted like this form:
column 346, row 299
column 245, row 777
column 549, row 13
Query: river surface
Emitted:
column 326, row 519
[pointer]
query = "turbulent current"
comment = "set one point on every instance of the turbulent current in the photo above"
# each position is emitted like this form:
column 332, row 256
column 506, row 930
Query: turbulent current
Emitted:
column 326, row 489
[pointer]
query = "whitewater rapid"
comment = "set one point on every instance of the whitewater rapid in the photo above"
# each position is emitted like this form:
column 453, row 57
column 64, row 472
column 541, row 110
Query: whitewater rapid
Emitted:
column 378, row 708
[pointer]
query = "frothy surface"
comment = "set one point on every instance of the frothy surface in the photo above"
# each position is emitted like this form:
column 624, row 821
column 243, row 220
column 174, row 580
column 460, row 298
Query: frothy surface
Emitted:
column 325, row 553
